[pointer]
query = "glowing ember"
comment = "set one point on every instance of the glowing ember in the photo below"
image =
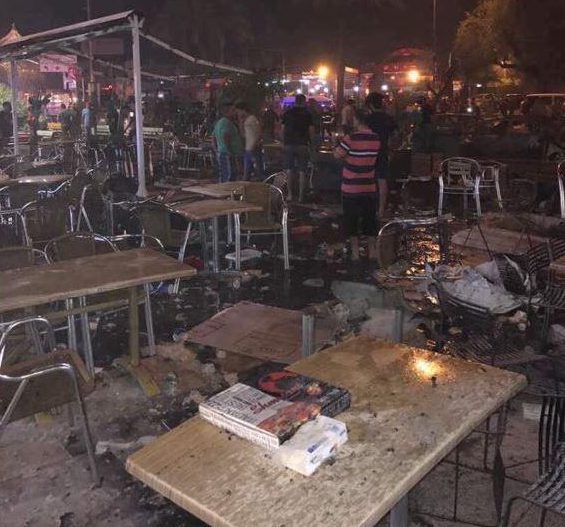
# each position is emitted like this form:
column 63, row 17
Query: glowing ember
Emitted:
column 426, row 368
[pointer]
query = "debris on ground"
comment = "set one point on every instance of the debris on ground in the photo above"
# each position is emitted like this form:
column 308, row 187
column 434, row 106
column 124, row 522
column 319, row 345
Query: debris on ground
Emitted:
column 314, row 282
column 476, row 289
column 118, row 448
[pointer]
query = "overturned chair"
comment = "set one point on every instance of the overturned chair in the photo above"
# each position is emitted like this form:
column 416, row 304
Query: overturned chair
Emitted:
column 44, row 381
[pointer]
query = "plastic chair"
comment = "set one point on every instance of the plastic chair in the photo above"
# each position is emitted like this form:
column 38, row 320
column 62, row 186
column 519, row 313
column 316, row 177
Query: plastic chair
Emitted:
column 44, row 382
column 272, row 220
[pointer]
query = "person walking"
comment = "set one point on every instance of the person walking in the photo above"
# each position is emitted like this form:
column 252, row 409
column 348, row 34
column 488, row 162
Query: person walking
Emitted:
column 347, row 116
column 381, row 123
column 297, row 130
column 253, row 156
column 227, row 144
column 359, row 152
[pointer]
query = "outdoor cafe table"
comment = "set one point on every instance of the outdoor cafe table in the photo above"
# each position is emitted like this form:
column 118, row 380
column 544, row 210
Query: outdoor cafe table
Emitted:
column 34, row 286
column 46, row 179
column 217, row 190
column 212, row 209
column 410, row 409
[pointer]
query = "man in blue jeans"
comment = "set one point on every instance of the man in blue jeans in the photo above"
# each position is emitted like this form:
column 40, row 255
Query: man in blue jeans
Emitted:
column 227, row 144
column 298, row 131
column 253, row 157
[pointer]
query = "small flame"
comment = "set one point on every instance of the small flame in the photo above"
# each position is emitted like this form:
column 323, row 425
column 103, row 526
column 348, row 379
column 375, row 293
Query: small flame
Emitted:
column 426, row 368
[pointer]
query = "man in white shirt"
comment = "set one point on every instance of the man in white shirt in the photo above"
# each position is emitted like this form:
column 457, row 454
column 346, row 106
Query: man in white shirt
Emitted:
column 253, row 157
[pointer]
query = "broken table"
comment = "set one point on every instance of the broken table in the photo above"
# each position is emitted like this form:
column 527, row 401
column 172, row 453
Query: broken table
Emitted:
column 410, row 409
column 212, row 209
column 77, row 278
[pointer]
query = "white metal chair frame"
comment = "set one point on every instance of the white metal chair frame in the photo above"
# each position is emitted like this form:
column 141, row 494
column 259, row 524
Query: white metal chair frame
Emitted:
column 561, row 183
column 275, row 190
column 462, row 176
column 24, row 380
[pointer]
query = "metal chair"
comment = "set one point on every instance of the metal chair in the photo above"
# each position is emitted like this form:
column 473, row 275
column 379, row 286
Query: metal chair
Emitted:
column 18, row 257
column 460, row 176
column 44, row 220
column 548, row 492
column 561, row 183
column 278, row 180
column 46, row 381
column 272, row 220
column 490, row 179
column 482, row 338
column 12, row 228
column 92, row 210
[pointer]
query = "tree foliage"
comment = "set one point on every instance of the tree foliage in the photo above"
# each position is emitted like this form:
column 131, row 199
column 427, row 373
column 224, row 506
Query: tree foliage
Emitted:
column 528, row 34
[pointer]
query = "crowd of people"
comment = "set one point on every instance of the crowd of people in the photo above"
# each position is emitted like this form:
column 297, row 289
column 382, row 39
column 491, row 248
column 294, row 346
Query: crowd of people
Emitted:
column 362, row 144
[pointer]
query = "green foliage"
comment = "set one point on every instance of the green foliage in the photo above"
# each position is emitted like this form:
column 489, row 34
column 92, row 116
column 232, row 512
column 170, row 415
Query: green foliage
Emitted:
column 529, row 34
column 6, row 95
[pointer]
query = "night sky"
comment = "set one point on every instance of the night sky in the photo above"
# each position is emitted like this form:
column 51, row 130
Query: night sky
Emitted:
column 307, row 36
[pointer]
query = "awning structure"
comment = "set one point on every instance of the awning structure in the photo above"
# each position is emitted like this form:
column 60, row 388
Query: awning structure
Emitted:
column 64, row 38
column 32, row 45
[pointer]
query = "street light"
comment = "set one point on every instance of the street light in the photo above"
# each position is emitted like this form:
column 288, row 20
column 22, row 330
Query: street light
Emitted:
column 413, row 76
column 323, row 71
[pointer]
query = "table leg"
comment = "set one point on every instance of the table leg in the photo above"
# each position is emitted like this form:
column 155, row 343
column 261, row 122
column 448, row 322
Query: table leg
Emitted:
column 133, row 327
column 230, row 229
column 71, row 334
column 149, row 320
column 237, row 224
column 399, row 513
column 182, row 252
column 215, row 246
column 86, row 342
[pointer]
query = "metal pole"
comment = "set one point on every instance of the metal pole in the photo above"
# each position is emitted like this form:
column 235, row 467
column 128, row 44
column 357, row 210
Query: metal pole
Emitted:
column 434, row 32
column 141, row 189
column 90, row 60
column 14, row 82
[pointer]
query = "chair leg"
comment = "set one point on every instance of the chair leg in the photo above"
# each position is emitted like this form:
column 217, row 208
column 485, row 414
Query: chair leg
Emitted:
column 507, row 514
column 542, row 518
column 72, row 336
column 149, row 320
column 86, row 432
column 498, row 193
column 478, row 203
column 182, row 252
column 237, row 225
column 440, row 203
column 86, row 341
column 285, row 247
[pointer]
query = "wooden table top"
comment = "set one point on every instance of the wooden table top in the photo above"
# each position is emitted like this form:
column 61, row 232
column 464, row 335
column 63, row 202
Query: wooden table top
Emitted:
column 32, row 286
column 216, row 190
column 213, row 208
column 400, row 427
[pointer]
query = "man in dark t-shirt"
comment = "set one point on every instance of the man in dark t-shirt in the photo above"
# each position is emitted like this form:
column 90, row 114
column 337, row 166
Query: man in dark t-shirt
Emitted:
column 382, row 124
column 298, row 130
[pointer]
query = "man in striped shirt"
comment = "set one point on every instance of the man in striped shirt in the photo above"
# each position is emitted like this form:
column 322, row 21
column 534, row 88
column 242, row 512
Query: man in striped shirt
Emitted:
column 359, row 152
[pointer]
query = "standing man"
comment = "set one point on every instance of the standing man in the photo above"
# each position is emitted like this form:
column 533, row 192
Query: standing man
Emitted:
column 66, row 117
column 381, row 123
column 348, row 116
column 253, row 156
column 298, row 130
column 227, row 144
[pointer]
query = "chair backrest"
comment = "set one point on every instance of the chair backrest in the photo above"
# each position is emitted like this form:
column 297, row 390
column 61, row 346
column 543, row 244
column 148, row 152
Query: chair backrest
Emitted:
column 258, row 194
column 12, row 229
column 17, row 257
column 76, row 186
column 45, row 220
column 22, row 193
column 78, row 245
column 491, row 170
column 460, row 171
column 96, row 210
column 124, row 242
column 155, row 220
column 551, row 429
column 561, row 186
